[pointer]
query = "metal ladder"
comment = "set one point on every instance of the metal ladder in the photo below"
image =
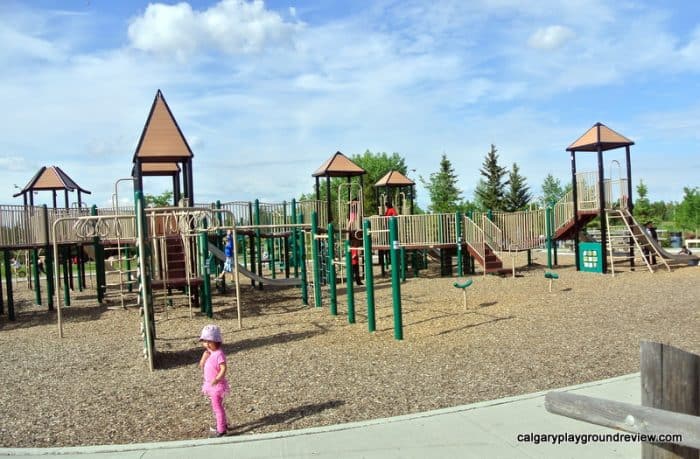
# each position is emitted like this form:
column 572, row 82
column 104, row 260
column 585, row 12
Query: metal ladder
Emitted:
column 624, row 232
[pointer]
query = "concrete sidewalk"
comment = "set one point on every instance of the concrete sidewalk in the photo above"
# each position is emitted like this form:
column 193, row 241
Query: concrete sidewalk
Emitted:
column 486, row 429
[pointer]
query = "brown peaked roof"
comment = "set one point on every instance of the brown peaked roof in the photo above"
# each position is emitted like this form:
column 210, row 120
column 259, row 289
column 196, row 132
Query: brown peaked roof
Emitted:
column 338, row 165
column 161, row 139
column 51, row 178
column 599, row 135
column 394, row 178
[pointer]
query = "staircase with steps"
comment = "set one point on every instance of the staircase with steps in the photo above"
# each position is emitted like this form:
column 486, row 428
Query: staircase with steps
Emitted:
column 175, row 275
column 491, row 263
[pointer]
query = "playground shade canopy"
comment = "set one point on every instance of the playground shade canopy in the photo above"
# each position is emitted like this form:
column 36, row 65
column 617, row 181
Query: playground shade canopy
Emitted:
column 338, row 165
column 394, row 178
column 51, row 178
column 599, row 137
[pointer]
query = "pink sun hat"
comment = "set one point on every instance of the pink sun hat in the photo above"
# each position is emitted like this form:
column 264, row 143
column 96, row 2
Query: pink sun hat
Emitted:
column 211, row 333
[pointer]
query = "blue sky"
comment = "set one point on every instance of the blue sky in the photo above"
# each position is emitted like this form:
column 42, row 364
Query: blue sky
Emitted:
column 265, row 92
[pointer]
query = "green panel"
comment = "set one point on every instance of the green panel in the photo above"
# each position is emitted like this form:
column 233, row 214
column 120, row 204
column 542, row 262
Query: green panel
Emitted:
column 591, row 257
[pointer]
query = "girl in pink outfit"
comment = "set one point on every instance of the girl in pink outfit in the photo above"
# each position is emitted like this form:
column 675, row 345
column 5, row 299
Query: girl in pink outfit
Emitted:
column 213, row 365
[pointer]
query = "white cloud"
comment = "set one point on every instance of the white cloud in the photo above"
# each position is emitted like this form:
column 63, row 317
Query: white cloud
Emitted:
column 690, row 53
column 373, row 80
column 13, row 164
column 230, row 26
column 550, row 37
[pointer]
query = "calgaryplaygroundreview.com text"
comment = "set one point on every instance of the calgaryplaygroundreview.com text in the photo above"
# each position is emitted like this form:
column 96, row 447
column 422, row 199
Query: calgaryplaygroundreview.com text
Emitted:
column 584, row 438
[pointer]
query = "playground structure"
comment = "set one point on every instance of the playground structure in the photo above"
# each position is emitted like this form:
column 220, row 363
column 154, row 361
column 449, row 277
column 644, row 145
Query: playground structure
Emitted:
column 168, row 253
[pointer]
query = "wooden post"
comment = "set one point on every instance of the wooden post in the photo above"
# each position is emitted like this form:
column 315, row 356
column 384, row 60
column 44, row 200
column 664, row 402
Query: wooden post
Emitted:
column 670, row 381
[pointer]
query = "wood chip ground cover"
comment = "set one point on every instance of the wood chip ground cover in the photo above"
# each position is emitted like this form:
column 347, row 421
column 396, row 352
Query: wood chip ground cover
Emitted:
column 293, row 366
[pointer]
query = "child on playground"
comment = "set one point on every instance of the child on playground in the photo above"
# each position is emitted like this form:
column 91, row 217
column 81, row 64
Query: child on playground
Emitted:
column 390, row 211
column 215, row 386
column 355, row 261
column 228, row 251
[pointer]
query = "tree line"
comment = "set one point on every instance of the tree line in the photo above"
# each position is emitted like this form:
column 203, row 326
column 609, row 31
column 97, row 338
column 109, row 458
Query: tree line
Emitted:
column 505, row 189
column 498, row 189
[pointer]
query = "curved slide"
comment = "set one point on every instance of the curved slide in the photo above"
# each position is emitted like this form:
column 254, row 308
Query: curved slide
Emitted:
column 216, row 252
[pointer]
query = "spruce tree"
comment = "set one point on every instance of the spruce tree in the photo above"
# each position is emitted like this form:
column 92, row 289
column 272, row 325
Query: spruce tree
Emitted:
column 518, row 195
column 551, row 190
column 642, row 206
column 442, row 187
column 491, row 193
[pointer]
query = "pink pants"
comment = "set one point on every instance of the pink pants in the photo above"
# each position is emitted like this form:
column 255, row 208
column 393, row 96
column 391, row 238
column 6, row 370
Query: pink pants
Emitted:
column 217, row 406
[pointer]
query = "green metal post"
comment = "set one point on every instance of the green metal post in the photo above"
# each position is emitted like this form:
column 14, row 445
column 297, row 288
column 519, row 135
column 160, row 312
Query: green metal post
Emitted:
column 69, row 267
column 251, row 243
column 395, row 284
column 206, row 281
column 414, row 263
column 50, row 281
column 403, row 264
column 127, row 252
column 219, row 238
column 219, row 233
column 369, row 275
column 66, row 284
column 82, row 267
column 271, row 254
column 554, row 242
column 302, row 261
column 349, row 283
column 460, row 241
column 99, row 262
column 48, row 258
column 316, row 260
column 548, row 236
column 79, row 266
column 331, row 271
column 35, row 276
column 145, row 292
column 8, row 285
column 295, row 245
column 284, row 242
column 258, row 242
column 243, row 250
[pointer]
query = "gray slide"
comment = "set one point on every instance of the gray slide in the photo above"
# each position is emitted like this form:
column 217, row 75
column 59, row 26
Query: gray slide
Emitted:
column 680, row 259
column 214, row 250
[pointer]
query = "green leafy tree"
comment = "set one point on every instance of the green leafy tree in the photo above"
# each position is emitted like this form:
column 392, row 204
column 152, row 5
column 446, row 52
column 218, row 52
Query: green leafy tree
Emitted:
column 688, row 211
column 642, row 206
column 552, row 191
column 518, row 195
column 164, row 199
column 445, row 197
column 491, row 192
column 376, row 165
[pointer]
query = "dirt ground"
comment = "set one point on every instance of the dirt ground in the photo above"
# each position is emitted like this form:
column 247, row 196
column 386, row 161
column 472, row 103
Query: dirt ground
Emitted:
column 293, row 366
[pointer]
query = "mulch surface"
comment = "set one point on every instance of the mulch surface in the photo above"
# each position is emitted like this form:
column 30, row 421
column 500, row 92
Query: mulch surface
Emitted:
column 293, row 366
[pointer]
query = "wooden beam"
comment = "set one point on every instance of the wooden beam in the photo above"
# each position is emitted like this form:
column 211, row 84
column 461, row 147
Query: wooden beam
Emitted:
column 670, row 381
column 625, row 417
